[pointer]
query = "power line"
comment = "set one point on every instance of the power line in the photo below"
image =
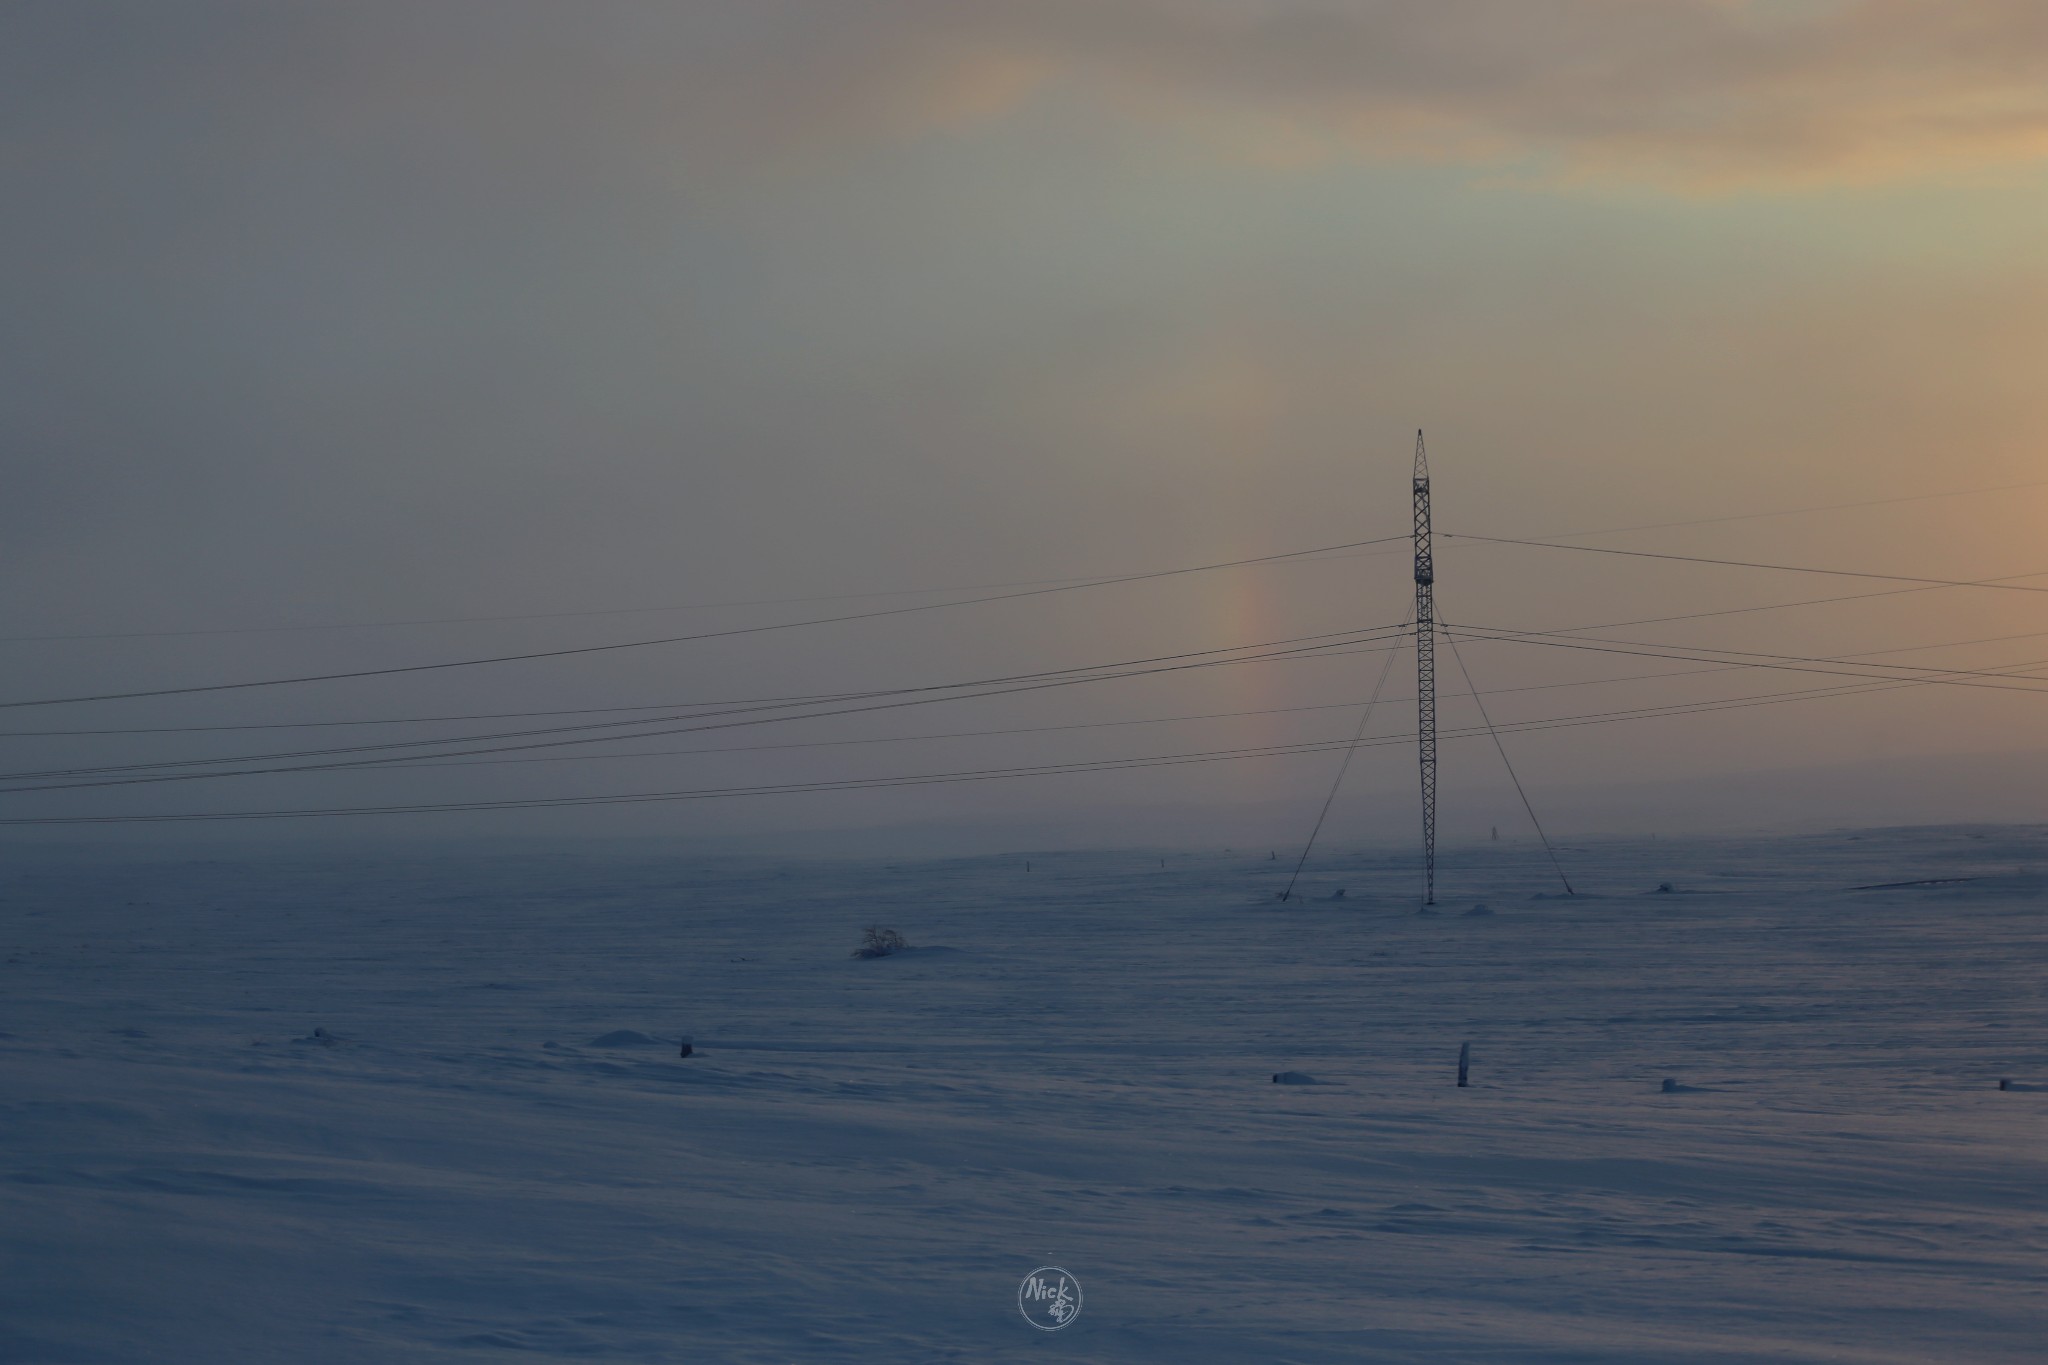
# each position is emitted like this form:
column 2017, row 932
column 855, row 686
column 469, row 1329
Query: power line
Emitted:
column 1802, row 602
column 1955, row 678
column 747, row 709
column 525, row 615
column 682, row 639
column 1729, row 704
column 640, row 724
column 1661, row 651
column 1933, row 586
column 1803, row 511
column 1086, row 580
column 1799, row 663
column 406, row 720
column 844, row 784
column 1791, row 663
column 944, row 734
column 433, row 761
column 823, row 697
column 2001, row 585
column 392, row 762
column 1103, row 765
column 294, row 628
column 1208, row 715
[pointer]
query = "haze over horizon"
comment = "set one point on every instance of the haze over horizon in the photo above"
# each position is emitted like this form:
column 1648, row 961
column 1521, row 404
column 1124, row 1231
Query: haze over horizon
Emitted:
column 335, row 328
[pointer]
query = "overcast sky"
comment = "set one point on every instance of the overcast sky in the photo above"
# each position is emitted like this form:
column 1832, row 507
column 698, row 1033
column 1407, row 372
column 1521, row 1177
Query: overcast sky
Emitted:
column 324, row 315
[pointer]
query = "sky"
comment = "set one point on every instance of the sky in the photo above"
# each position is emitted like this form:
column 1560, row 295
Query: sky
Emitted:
column 333, row 328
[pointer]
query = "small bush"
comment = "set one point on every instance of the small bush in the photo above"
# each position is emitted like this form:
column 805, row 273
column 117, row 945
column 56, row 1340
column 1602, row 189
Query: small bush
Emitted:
column 879, row 942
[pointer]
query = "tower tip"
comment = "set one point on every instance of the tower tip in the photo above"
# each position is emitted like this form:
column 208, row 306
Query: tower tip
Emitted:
column 1421, row 459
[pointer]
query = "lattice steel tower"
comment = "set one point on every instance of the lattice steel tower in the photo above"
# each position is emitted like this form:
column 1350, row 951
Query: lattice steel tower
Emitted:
column 1425, row 670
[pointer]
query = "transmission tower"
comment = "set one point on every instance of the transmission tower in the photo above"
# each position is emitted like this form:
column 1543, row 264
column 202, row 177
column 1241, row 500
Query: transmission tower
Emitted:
column 1425, row 670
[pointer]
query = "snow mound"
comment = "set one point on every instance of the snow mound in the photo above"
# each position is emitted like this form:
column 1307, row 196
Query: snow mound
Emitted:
column 624, row 1037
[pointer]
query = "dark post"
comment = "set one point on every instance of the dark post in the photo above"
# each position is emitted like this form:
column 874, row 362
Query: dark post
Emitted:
column 1464, row 1063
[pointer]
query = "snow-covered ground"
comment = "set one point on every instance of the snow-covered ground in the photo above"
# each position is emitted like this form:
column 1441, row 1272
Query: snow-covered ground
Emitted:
column 1074, row 1069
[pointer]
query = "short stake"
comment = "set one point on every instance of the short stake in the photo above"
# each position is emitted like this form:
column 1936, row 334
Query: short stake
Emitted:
column 1464, row 1063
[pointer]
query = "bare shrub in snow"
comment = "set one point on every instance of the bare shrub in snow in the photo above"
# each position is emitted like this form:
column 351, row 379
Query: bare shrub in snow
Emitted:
column 876, row 941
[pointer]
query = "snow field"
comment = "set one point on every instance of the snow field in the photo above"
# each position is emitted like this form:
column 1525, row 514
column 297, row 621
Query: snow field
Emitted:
column 864, row 1157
